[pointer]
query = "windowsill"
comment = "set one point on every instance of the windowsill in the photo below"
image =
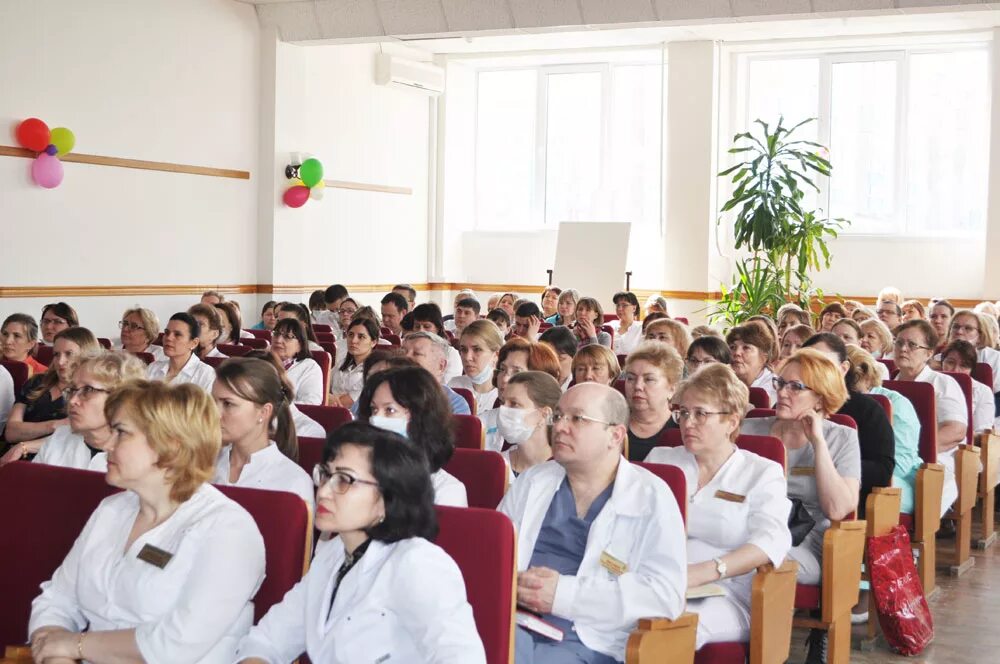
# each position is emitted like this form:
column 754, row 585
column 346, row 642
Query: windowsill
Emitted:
column 911, row 238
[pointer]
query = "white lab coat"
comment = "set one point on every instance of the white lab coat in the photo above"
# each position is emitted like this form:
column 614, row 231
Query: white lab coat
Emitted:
column 268, row 469
column 950, row 402
column 402, row 602
column 64, row 448
column 307, row 379
column 305, row 426
column 448, row 490
column 195, row 609
column 983, row 407
column 99, row 463
column 7, row 396
column 764, row 381
column 194, row 371
column 640, row 525
column 484, row 400
column 215, row 352
column 349, row 382
column 991, row 356
column 454, row 368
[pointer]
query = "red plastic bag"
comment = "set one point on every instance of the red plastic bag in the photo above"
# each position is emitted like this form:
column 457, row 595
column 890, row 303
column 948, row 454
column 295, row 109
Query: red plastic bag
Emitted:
column 899, row 598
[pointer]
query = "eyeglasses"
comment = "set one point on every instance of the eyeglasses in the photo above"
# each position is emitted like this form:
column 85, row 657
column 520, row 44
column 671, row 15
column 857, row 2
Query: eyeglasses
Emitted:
column 340, row 482
column 576, row 420
column 794, row 385
column 128, row 325
column 287, row 336
column 54, row 321
column 347, row 312
column 908, row 345
column 887, row 312
column 699, row 415
column 85, row 392
column 509, row 371
column 967, row 329
column 697, row 363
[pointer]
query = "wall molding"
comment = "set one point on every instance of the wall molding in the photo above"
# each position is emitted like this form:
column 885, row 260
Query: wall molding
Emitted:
column 120, row 162
column 364, row 186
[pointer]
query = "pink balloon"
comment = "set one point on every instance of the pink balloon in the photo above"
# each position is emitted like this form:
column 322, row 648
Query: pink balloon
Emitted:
column 47, row 171
column 296, row 197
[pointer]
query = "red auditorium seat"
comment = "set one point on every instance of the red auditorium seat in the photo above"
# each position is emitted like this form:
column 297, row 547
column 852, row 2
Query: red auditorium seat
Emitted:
column 234, row 350
column 43, row 354
column 18, row 372
column 469, row 432
column 484, row 474
column 759, row 398
column 328, row 417
column 468, row 396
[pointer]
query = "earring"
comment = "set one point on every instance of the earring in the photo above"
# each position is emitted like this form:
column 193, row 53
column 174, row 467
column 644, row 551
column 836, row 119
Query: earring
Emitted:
column 260, row 420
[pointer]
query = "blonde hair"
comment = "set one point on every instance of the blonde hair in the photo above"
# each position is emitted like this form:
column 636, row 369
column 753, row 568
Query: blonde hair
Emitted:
column 181, row 426
column 704, row 331
column 881, row 330
column 485, row 330
column 111, row 368
column 150, row 323
column 864, row 372
column 987, row 338
column 663, row 357
column 822, row 376
column 719, row 384
column 598, row 354
column 914, row 304
column 889, row 294
column 679, row 334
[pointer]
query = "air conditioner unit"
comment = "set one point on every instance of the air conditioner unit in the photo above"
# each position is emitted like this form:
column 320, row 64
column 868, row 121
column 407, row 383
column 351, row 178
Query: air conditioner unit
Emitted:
column 409, row 74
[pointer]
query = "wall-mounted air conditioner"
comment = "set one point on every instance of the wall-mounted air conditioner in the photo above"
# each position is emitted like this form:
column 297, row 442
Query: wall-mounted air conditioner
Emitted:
column 409, row 74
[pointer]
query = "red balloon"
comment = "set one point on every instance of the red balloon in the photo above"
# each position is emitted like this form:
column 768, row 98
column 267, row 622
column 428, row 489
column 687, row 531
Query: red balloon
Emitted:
column 34, row 135
column 296, row 197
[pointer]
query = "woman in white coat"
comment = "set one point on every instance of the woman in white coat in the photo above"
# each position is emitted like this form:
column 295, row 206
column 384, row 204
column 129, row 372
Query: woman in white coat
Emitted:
column 738, row 509
column 180, row 341
column 290, row 345
column 166, row 570
column 409, row 401
column 381, row 591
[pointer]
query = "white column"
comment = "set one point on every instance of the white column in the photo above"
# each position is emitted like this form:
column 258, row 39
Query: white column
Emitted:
column 991, row 271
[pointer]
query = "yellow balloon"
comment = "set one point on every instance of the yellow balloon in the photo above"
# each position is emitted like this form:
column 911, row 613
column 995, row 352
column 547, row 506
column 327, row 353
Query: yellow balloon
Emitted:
column 63, row 139
column 295, row 182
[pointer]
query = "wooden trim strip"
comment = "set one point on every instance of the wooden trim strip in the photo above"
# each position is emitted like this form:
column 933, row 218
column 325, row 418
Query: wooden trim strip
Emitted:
column 364, row 186
column 119, row 291
column 119, row 162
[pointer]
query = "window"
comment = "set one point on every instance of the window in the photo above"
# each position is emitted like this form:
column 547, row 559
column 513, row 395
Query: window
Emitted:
column 568, row 143
column 905, row 130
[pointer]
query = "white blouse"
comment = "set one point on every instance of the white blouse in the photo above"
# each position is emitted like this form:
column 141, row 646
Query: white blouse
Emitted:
column 349, row 382
column 194, row 371
column 484, row 401
column 194, row 609
column 624, row 344
column 448, row 491
column 99, row 463
column 215, row 352
column 307, row 379
column 948, row 395
column 983, row 407
column 64, row 448
column 306, row 426
column 267, row 469
column 454, row 368
column 764, row 381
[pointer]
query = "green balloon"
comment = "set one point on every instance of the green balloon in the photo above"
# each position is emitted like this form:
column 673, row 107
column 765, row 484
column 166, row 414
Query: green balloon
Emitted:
column 311, row 172
column 63, row 139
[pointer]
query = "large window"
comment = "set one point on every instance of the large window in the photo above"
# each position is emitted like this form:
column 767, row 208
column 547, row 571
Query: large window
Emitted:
column 569, row 143
column 906, row 130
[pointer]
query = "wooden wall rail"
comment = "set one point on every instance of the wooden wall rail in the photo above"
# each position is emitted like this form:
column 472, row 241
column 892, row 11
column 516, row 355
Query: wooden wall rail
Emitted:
column 119, row 162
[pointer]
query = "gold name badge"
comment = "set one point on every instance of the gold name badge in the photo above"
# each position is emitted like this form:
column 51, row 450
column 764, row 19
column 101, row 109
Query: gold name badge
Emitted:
column 155, row 556
column 612, row 564
column 804, row 470
column 731, row 497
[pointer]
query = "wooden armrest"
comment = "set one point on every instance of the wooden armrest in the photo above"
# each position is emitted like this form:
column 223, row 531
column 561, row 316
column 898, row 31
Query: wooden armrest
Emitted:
column 882, row 510
column 843, row 551
column 658, row 640
column 16, row 655
column 989, row 455
column 772, row 603
column 927, row 501
column 966, row 474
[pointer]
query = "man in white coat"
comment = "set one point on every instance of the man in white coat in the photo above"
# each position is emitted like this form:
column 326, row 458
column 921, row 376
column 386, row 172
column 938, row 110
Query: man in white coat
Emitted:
column 600, row 541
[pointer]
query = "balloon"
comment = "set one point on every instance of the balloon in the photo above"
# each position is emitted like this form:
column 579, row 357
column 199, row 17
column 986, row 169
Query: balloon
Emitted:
column 296, row 197
column 295, row 182
column 63, row 139
column 33, row 134
column 311, row 172
column 51, row 150
column 47, row 171
column 316, row 193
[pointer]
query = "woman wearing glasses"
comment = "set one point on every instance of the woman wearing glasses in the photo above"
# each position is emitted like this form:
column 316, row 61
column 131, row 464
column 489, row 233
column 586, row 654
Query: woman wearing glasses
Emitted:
column 56, row 317
column 737, row 517
column 704, row 351
column 80, row 443
column 291, row 346
column 381, row 591
column 180, row 341
column 967, row 325
column 140, row 327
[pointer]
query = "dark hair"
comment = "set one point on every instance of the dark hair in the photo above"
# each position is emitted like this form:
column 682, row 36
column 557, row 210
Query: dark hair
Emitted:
column 231, row 311
column 833, row 308
column 411, row 291
column 837, row 345
column 541, row 357
column 403, row 480
column 562, row 340
column 317, row 300
column 302, row 313
column 527, row 310
column 270, row 304
column 396, row 299
column 656, row 315
column 967, row 353
column 629, row 297
column 391, row 355
column 194, row 328
column 429, row 313
column 470, row 303
column 64, row 311
column 415, row 389
column 757, row 335
column 899, row 309
column 295, row 327
column 498, row 316
column 713, row 346
column 944, row 303
column 334, row 293
column 371, row 327
column 259, row 382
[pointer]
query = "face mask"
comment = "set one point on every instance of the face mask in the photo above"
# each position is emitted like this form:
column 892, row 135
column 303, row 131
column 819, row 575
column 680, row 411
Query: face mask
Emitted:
column 393, row 424
column 483, row 376
column 512, row 427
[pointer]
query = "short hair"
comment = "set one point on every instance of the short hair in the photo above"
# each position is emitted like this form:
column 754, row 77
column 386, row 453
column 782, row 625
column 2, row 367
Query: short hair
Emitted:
column 663, row 357
column 864, row 312
column 986, row 337
column 111, row 368
column 895, row 305
column 881, row 331
column 527, row 310
column 80, row 336
column 486, row 331
column 270, row 304
column 334, row 293
column 561, row 339
column 214, row 293
column 914, row 304
column 754, row 335
column 402, row 476
column 552, row 289
column 803, row 332
column 429, row 313
column 430, row 427
column 864, row 373
column 410, row 291
column 922, row 326
column 541, row 357
column 317, row 300
column 614, row 406
column 657, row 300
column 543, row 390
column 713, row 346
column 396, row 300
column 194, row 327
column 648, row 320
column 720, row 385
column 569, row 294
column 853, row 303
column 599, row 354
column 209, row 313
column 627, row 297
column 235, row 319
column 391, row 355
column 823, row 377
column 595, row 306
column 371, row 329
column 942, row 303
column 678, row 333
column 294, row 327
column 792, row 309
column 258, row 381
column 699, row 331
column 832, row 341
column 470, row 303
column 64, row 311
column 181, row 426
column 30, row 326
column 889, row 294
column 438, row 342
column 849, row 322
column 766, row 324
column 498, row 316
column 833, row 308
column 150, row 323
column 302, row 313
column 967, row 354
column 367, row 313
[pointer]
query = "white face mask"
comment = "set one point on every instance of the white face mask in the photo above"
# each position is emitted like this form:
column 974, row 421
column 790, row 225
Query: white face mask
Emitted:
column 512, row 426
column 393, row 424
column 483, row 376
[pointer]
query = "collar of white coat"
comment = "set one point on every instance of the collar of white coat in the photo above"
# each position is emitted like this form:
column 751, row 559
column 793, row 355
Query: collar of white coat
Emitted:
column 629, row 497
column 190, row 366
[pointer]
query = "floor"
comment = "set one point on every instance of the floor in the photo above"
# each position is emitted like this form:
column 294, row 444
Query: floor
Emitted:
column 966, row 614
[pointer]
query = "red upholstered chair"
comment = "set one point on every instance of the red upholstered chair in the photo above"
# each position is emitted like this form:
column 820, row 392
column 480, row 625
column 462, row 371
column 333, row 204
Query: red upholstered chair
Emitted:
column 759, row 398
column 843, row 420
column 310, row 453
column 884, row 402
column 43, row 354
column 469, row 432
column 610, row 330
column 234, row 350
column 484, row 474
column 105, row 343
column 325, row 336
column 393, row 339
column 330, row 347
column 681, row 319
column 621, row 360
column 258, row 344
column 158, row 341
column 325, row 329
column 468, row 396
column 890, row 365
column 261, row 334
column 325, row 362
column 214, row 362
column 482, row 543
column 147, row 358
column 760, row 412
column 328, row 417
column 620, row 386
column 19, row 372
column 983, row 373
column 610, row 317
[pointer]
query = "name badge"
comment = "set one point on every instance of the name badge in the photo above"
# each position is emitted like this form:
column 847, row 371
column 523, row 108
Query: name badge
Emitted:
column 155, row 556
column 612, row 564
column 731, row 497
column 803, row 470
